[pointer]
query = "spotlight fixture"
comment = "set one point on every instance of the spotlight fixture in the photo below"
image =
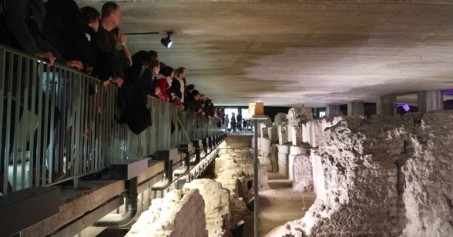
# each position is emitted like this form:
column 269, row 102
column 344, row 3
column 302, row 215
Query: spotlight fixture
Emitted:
column 166, row 41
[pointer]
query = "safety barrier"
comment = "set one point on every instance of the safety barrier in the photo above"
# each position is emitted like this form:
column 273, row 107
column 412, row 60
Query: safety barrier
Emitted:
column 59, row 124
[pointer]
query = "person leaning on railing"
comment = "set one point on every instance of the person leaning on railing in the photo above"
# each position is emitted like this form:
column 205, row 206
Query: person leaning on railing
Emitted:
column 23, row 22
column 109, row 68
column 64, row 30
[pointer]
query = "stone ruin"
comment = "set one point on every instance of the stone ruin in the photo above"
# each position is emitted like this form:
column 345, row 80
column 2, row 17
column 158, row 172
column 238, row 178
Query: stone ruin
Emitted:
column 383, row 176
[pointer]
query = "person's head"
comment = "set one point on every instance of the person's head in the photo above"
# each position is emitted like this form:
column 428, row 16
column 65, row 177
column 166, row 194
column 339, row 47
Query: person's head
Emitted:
column 190, row 87
column 90, row 16
column 111, row 13
column 167, row 71
column 196, row 95
column 155, row 66
column 154, row 54
column 180, row 72
column 142, row 57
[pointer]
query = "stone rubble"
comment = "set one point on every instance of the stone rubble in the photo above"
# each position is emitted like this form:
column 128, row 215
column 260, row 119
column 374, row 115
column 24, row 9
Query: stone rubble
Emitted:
column 383, row 176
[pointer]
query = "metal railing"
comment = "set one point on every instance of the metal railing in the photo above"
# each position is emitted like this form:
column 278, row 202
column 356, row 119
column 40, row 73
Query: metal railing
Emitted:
column 60, row 124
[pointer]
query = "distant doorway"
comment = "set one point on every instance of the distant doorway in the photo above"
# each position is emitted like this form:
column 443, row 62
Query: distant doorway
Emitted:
column 229, row 112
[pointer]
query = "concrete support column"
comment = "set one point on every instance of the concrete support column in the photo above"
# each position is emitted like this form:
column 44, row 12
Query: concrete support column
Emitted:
column 333, row 111
column 386, row 105
column 430, row 100
column 356, row 108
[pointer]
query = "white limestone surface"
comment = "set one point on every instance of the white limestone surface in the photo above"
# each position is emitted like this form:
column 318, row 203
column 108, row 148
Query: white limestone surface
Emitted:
column 384, row 176
column 178, row 213
column 217, row 205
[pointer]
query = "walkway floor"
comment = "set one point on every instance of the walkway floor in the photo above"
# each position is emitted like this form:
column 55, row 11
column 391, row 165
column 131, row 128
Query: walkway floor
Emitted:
column 278, row 205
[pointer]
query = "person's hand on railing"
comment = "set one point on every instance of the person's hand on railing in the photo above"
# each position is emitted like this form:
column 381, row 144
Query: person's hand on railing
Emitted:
column 118, row 81
column 47, row 56
column 78, row 65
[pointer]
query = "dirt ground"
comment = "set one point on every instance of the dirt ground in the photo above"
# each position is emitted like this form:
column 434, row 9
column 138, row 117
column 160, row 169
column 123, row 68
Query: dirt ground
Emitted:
column 278, row 205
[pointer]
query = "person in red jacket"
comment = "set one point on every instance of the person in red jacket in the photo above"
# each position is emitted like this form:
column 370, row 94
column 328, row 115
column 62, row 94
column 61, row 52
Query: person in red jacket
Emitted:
column 163, row 82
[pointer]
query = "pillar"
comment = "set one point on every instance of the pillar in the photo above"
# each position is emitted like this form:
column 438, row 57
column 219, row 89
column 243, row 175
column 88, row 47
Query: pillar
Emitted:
column 356, row 108
column 333, row 111
column 430, row 100
column 386, row 105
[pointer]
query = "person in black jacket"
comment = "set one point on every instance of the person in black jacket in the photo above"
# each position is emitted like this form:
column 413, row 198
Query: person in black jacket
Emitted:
column 90, row 18
column 178, row 84
column 109, row 66
column 65, row 31
column 23, row 20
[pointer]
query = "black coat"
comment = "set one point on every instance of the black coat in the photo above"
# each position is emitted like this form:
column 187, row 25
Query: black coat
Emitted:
column 21, row 26
column 132, row 101
column 65, row 31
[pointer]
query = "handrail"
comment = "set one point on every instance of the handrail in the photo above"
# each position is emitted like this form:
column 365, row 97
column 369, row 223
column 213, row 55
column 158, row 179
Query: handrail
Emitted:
column 58, row 123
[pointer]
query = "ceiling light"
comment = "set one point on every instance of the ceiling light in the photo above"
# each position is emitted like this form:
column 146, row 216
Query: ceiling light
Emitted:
column 166, row 41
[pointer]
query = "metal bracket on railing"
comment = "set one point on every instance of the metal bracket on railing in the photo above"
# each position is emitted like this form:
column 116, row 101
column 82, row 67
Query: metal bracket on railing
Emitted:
column 185, row 149
column 196, row 145
column 167, row 156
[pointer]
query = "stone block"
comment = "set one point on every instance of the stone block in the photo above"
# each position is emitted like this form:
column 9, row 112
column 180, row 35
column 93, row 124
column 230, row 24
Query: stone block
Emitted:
column 296, row 135
column 282, row 134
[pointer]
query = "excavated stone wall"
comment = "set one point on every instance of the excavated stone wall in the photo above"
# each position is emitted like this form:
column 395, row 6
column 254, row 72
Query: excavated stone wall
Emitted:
column 302, row 168
column 179, row 213
column 384, row 176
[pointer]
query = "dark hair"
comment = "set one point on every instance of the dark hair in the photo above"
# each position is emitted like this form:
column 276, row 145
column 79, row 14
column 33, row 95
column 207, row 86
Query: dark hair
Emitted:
column 190, row 87
column 153, row 54
column 89, row 14
column 180, row 70
column 154, row 63
column 142, row 57
column 166, row 71
column 194, row 93
column 108, row 8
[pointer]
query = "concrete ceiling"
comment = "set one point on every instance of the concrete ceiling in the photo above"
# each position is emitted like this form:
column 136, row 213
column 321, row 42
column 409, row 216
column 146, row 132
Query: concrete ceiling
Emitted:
column 287, row 53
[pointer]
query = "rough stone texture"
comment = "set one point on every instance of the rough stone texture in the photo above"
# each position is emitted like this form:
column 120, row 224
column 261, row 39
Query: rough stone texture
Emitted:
column 233, row 165
column 302, row 168
column 283, row 151
column 264, row 146
column 234, row 168
column 312, row 132
column 273, row 157
column 239, row 141
column 273, row 136
column 178, row 213
column 264, row 132
column 289, row 133
column 217, row 205
column 428, row 174
column 296, row 135
column 385, row 176
column 298, row 115
column 263, row 124
column 282, row 134
column 280, row 118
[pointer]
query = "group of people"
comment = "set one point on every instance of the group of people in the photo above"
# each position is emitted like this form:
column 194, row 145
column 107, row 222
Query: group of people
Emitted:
column 91, row 41
column 236, row 123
